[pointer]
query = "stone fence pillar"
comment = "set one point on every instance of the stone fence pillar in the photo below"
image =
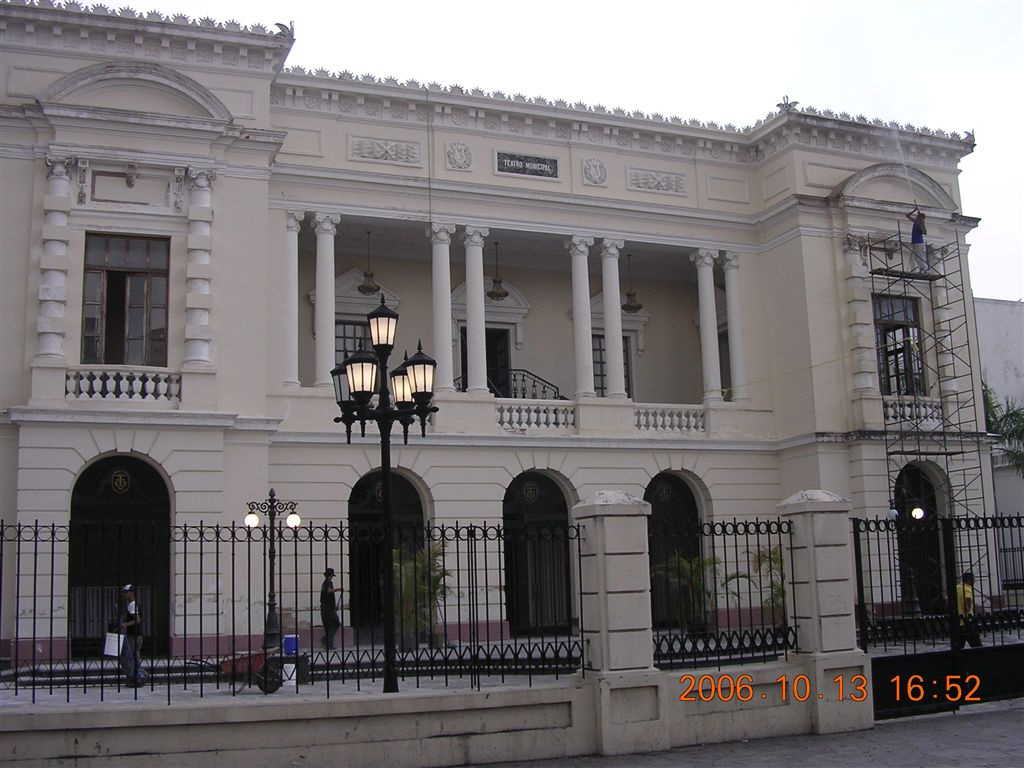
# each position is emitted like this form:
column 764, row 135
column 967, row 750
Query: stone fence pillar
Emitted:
column 616, row 623
column 824, row 585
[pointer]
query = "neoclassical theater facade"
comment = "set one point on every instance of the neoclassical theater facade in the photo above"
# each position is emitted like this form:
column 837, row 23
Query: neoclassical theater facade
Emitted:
column 192, row 234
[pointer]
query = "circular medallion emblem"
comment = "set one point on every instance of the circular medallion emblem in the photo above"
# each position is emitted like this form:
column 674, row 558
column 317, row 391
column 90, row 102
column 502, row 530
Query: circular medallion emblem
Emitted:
column 378, row 491
column 120, row 480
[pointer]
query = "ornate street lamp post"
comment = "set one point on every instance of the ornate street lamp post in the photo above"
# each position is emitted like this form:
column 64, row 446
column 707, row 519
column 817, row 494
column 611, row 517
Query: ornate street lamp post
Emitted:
column 272, row 508
column 361, row 375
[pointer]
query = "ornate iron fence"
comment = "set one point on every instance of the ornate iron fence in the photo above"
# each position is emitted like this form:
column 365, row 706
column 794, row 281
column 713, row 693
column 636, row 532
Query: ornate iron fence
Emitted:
column 472, row 603
column 911, row 582
column 721, row 592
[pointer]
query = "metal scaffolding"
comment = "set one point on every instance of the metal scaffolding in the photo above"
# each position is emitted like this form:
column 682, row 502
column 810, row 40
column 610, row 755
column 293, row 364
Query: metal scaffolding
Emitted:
column 923, row 341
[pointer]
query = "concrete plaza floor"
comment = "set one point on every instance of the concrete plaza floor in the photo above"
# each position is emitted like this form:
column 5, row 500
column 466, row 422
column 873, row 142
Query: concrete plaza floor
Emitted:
column 987, row 735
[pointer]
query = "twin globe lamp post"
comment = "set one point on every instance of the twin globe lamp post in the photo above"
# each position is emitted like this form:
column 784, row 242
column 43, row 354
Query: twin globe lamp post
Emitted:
column 356, row 380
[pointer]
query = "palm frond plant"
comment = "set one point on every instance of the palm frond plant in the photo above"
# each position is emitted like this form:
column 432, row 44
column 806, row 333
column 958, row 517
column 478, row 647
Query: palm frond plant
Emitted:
column 1006, row 419
column 689, row 584
column 421, row 581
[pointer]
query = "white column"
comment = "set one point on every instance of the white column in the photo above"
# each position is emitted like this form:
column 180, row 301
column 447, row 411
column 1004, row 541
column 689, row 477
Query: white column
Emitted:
column 293, row 220
column 50, row 325
column 199, row 271
column 737, row 354
column 440, row 239
column 615, row 374
column 323, row 317
column 476, row 343
column 709, row 360
column 579, row 250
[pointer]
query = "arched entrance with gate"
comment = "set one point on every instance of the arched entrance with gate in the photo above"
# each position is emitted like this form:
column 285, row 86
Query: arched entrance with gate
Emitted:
column 366, row 542
column 674, row 552
column 535, row 518
column 919, row 542
column 119, row 534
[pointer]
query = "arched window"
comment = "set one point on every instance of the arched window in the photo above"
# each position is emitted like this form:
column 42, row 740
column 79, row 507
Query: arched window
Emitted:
column 366, row 542
column 119, row 534
column 677, row 593
column 919, row 542
column 536, row 537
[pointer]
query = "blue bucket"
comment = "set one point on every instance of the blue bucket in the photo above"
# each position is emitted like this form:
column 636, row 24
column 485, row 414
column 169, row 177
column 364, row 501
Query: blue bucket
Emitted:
column 291, row 645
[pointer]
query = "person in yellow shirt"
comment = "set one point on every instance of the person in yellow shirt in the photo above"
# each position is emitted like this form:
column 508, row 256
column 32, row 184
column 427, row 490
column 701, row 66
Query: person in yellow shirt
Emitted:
column 965, row 608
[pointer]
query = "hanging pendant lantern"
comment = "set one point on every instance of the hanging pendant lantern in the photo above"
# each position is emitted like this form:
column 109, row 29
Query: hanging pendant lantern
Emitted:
column 632, row 306
column 369, row 286
column 497, row 292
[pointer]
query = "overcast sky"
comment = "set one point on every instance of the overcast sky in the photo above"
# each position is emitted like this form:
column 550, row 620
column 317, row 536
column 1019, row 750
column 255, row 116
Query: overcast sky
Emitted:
column 950, row 65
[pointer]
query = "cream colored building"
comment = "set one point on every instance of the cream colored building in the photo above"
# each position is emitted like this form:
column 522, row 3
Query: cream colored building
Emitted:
column 186, row 223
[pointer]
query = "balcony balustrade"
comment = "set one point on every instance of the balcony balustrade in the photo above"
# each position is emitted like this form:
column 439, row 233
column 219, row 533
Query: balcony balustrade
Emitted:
column 916, row 412
column 122, row 384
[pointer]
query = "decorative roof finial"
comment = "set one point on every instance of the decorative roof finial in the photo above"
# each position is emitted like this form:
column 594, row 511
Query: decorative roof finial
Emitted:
column 786, row 105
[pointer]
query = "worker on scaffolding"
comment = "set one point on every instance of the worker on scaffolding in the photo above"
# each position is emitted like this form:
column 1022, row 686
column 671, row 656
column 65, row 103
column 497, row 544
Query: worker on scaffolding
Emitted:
column 917, row 244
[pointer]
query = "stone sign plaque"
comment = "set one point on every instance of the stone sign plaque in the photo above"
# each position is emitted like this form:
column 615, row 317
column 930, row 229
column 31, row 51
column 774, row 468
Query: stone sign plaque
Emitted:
column 527, row 165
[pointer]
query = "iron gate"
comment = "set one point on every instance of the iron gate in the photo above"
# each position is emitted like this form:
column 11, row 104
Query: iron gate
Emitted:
column 940, row 609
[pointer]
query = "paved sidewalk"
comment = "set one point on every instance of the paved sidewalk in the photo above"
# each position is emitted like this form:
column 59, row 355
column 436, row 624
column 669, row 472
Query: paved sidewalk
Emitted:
column 979, row 736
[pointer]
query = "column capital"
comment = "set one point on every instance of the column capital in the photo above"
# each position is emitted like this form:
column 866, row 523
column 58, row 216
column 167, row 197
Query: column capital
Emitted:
column 440, row 233
column 293, row 220
column 610, row 248
column 704, row 258
column 578, row 245
column 326, row 223
column 59, row 167
column 201, row 178
column 475, row 236
column 729, row 260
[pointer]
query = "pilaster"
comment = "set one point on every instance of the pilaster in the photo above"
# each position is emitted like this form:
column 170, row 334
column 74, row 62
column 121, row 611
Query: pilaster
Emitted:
column 198, row 272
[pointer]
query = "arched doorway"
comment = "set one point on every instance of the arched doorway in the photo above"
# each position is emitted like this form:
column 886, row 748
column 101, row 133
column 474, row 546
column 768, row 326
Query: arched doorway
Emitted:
column 366, row 542
column 536, row 536
column 674, row 552
column 119, row 534
column 919, row 542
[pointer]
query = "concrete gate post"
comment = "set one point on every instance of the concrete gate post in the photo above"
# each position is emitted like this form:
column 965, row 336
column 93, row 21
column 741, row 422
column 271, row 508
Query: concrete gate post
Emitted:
column 616, row 623
column 824, row 583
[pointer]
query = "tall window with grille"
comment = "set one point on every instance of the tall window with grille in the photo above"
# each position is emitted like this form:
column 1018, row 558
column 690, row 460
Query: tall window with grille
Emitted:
column 600, row 365
column 898, row 342
column 124, row 301
column 349, row 336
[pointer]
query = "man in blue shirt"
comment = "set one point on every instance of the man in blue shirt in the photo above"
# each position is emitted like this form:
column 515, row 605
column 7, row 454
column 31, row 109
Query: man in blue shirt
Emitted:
column 917, row 239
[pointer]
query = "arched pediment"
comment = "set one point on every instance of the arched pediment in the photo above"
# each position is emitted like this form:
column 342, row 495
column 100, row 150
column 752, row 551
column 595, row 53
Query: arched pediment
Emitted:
column 139, row 87
column 349, row 302
column 512, row 310
column 895, row 182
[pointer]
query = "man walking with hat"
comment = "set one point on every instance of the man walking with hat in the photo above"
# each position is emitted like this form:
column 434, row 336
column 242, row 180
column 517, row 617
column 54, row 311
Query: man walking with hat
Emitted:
column 329, row 610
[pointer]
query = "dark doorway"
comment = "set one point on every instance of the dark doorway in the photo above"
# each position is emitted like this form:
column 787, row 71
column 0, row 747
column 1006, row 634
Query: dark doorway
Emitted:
column 119, row 534
column 674, row 552
column 536, row 536
column 499, row 361
column 919, row 543
column 366, row 543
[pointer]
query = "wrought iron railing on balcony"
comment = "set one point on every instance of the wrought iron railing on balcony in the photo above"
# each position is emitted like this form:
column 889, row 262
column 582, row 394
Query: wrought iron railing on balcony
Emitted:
column 122, row 384
column 519, row 384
